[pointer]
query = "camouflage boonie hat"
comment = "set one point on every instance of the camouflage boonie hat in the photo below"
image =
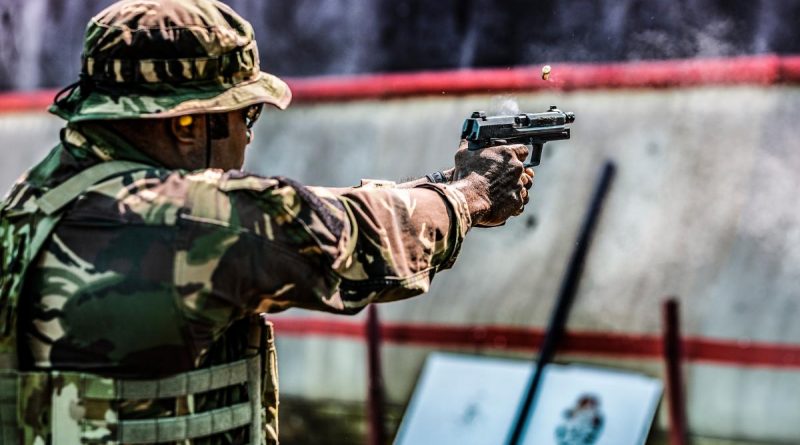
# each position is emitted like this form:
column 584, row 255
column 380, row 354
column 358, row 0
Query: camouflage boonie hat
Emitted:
column 165, row 58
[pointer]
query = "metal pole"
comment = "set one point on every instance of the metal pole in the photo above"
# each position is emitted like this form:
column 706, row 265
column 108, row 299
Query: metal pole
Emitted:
column 375, row 402
column 673, row 356
column 566, row 295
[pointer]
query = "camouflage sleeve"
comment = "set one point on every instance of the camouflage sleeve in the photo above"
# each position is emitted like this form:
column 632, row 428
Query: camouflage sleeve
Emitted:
column 338, row 250
column 397, row 240
column 181, row 255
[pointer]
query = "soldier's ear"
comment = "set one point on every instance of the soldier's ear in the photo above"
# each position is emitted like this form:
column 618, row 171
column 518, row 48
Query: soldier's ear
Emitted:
column 187, row 129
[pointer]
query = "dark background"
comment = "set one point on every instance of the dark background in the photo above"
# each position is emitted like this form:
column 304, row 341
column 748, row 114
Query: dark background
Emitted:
column 40, row 40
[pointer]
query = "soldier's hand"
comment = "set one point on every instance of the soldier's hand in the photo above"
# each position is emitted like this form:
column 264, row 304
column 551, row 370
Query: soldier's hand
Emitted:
column 494, row 182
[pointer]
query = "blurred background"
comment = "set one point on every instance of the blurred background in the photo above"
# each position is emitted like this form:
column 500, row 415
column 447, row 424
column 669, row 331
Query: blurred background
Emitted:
column 695, row 101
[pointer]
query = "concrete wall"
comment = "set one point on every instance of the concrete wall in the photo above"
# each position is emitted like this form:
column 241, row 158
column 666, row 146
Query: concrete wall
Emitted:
column 704, row 207
column 41, row 40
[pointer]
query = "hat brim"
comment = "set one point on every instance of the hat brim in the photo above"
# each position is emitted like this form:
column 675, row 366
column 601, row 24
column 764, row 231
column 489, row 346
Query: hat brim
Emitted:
column 97, row 105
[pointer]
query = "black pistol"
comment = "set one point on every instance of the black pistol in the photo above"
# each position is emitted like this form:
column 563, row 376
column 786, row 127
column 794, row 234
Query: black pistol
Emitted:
column 532, row 129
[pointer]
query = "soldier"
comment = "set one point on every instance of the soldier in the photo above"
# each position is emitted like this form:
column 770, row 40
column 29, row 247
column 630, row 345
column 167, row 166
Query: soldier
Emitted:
column 136, row 257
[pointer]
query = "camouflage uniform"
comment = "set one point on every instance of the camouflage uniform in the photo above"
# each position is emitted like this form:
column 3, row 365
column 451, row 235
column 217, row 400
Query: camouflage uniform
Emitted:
column 153, row 278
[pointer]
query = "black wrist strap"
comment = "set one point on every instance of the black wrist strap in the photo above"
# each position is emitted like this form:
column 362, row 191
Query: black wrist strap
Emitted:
column 436, row 177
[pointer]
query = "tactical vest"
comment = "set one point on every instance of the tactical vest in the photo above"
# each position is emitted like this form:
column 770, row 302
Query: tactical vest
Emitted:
column 72, row 408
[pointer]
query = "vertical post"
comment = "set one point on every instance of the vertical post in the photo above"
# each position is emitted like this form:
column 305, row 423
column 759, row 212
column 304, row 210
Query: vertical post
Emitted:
column 566, row 295
column 375, row 403
column 673, row 356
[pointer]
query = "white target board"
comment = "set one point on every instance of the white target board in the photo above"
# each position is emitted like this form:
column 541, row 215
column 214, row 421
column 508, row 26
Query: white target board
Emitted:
column 471, row 400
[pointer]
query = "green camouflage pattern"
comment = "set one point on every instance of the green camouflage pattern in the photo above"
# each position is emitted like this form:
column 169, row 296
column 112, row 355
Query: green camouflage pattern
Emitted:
column 156, row 59
column 66, row 408
column 157, row 271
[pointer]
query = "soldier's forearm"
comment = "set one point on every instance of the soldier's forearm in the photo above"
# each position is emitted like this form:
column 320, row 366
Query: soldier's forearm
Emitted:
column 403, row 237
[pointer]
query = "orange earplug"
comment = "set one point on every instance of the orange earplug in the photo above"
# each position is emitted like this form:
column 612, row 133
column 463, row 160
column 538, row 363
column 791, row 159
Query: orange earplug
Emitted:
column 185, row 121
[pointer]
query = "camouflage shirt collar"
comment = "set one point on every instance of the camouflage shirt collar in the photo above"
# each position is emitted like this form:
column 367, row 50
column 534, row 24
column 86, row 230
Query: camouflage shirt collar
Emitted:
column 102, row 144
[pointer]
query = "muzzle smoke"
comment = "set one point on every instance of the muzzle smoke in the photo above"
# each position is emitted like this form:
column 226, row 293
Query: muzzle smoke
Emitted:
column 503, row 105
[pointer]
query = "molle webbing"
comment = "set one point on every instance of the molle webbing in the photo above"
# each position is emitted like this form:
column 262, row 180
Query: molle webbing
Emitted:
column 184, row 384
column 185, row 427
column 74, row 388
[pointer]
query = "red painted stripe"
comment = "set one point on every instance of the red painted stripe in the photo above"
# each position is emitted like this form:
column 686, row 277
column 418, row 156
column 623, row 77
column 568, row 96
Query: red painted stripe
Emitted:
column 755, row 70
column 26, row 101
column 750, row 70
column 598, row 344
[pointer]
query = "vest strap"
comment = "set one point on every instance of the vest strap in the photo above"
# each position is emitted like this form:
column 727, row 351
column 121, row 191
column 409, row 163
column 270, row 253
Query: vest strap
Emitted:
column 170, row 429
column 180, row 385
column 56, row 198
column 185, row 427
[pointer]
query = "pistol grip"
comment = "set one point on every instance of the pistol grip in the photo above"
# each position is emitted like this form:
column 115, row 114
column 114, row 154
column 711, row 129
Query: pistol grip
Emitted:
column 536, row 154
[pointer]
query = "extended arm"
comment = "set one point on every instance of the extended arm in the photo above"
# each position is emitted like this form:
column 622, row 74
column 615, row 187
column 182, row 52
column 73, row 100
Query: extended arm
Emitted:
column 340, row 251
column 383, row 243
